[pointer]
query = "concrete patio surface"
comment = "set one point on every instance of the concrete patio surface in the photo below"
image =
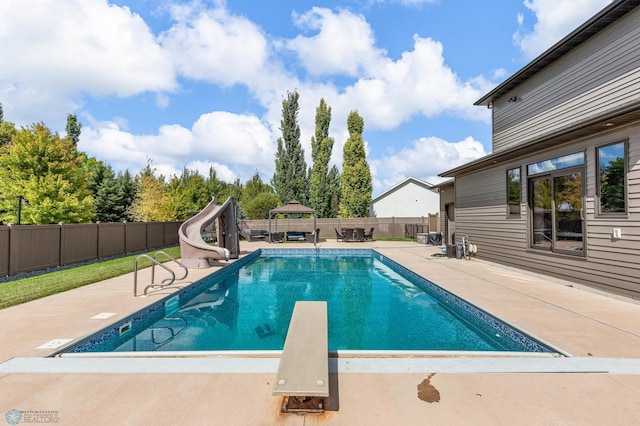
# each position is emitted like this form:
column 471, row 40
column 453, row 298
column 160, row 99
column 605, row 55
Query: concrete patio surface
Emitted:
column 597, row 384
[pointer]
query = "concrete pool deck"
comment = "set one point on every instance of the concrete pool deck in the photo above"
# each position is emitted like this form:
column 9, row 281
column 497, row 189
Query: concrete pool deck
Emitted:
column 598, row 384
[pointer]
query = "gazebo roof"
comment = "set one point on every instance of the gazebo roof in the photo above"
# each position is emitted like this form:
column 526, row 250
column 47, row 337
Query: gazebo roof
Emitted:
column 292, row 207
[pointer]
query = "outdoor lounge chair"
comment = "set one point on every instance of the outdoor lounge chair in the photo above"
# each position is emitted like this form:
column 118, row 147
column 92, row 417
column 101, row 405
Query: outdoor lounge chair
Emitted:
column 313, row 237
column 340, row 235
column 369, row 235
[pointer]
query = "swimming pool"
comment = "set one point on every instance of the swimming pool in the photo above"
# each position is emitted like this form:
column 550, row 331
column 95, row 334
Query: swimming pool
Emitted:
column 374, row 304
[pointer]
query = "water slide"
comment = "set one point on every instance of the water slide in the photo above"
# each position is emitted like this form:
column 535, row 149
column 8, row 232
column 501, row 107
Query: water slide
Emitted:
column 194, row 251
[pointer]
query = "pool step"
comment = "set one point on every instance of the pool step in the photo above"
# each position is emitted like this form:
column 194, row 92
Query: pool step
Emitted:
column 303, row 371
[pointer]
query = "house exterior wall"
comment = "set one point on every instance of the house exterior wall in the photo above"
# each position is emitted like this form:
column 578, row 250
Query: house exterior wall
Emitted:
column 410, row 200
column 587, row 84
column 608, row 264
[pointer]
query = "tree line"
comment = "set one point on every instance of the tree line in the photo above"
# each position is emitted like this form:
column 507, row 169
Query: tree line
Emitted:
column 44, row 178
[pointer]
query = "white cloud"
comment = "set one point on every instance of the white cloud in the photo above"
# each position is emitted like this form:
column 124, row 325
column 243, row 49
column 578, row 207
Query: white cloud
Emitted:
column 217, row 138
column 345, row 43
column 554, row 20
column 61, row 49
column 418, row 83
column 425, row 159
column 213, row 46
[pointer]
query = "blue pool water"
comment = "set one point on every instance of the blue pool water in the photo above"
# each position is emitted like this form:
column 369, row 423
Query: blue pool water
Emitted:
column 373, row 304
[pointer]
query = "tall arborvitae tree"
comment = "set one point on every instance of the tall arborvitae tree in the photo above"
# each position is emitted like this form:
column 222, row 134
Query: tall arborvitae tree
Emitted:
column 7, row 129
column 334, row 191
column 44, row 169
column 321, row 146
column 290, row 178
column 73, row 129
column 356, row 176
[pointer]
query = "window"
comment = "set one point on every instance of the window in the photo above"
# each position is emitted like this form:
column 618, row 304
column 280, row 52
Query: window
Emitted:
column 514, row 192
column 555, row 201
column 612, row 172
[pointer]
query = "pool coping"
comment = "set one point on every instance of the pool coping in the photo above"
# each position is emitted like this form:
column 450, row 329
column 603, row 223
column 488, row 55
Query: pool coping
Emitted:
column 358, row 365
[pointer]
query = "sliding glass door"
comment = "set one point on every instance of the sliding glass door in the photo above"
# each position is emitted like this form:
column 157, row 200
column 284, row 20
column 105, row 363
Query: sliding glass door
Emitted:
column 557, row 212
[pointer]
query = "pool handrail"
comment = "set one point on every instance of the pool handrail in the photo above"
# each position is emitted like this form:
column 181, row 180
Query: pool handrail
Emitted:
column 166, row 282
column 182, row 265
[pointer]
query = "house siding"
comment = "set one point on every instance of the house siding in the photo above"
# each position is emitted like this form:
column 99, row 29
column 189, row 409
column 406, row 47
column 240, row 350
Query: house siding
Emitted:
column 584, row 86
column 608, row 264
column 409, row 200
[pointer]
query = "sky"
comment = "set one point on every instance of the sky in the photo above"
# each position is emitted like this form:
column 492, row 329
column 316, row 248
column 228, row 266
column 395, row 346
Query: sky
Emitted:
column 200, row 83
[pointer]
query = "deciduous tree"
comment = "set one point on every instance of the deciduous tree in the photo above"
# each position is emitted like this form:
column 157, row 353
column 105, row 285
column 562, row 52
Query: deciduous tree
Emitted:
column 152, row 202
column 46, row 170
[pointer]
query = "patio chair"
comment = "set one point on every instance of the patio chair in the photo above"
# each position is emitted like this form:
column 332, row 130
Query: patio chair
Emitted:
column 369, row 235
column 313, row 237
column 358, row 234
column 340, row 235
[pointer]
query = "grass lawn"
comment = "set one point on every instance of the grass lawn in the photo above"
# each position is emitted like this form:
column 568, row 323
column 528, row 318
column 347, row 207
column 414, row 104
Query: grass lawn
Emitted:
column 31, row 288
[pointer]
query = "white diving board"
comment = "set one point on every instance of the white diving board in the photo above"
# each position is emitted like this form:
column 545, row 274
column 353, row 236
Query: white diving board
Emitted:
column 303, row 370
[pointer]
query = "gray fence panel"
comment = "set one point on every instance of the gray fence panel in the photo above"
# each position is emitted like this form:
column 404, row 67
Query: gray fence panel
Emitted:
column 111, row 241
column 34, row 248
column 5, row 235
column 136, row 236
column 155, row 234
column 79, row 243
column 390, row 227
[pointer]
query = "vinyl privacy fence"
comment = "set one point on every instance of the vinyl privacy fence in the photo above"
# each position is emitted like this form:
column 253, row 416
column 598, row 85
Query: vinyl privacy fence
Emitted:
column 25, row 248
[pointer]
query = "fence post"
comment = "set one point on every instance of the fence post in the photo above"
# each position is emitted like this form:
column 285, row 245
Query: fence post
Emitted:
column 60, row 225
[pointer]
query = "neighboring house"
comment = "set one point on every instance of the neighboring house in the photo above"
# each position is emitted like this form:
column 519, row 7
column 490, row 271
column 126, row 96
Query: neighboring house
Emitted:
column 410, row 198
column 560, row 192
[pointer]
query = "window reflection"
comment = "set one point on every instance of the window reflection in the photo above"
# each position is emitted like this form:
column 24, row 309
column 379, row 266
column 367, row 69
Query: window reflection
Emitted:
column 558, row 163
column 611, row 175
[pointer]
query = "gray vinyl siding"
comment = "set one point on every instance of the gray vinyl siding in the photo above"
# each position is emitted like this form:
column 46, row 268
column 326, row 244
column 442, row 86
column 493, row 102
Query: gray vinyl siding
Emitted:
column 610, row 265
column 600, row 76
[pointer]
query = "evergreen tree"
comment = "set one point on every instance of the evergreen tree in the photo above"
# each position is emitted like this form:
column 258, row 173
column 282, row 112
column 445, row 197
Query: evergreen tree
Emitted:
column 73, row 129
column 97, row 172
column 356, row 177
column 44, row 169
column 290, row 178
column 320, row 192
column 334, row 191
column 113, row 197
column 7, row 129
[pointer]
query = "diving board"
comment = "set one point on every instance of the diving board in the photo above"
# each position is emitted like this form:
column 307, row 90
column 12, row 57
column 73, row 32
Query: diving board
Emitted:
column 303, row 370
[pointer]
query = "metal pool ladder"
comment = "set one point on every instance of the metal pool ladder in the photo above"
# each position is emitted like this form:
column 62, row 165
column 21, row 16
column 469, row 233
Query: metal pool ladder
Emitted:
column 154, row 261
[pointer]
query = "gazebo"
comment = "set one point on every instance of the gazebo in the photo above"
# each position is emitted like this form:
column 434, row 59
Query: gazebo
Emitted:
column 293, row 207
